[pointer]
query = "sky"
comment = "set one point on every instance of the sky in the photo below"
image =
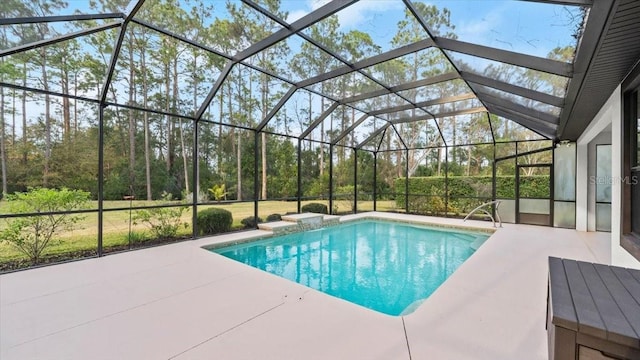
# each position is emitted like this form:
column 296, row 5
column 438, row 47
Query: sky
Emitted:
column 521, row 26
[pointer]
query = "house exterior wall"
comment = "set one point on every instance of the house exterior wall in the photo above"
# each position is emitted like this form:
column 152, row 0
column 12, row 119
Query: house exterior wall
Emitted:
column 609, row 114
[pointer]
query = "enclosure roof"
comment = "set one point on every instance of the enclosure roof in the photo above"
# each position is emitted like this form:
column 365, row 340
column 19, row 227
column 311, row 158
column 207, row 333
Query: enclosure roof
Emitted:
column 363, row 68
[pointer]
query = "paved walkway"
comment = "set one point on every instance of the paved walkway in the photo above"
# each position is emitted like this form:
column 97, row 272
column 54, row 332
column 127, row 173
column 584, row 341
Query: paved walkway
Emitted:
column 182, row 302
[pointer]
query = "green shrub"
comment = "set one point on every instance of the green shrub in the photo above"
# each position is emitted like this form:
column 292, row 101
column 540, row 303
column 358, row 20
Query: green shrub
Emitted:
column 214, row 221
column 315, row 208
column 274, row 217
column 251, row 222
column 31, row 235
column 163, row 222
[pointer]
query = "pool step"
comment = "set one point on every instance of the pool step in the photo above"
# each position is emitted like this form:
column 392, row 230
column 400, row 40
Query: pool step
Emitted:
column 330, row 220
column 304, row 217
column 299, row 222
column 279, row 227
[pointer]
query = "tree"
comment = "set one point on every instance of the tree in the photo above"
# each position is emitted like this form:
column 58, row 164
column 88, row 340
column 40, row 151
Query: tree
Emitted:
column 312, row 61
column 422, row 64
column 32, row 234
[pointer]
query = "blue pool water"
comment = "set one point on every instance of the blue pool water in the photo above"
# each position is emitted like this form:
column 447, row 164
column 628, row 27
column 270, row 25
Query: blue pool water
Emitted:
column 385, row 266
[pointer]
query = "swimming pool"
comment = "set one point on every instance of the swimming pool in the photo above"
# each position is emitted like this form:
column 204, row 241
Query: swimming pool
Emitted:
column 385, row 266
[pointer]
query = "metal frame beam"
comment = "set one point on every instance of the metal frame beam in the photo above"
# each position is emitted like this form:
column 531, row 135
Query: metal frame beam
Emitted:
column 116, row 49
column 344, row 61
column 103, row 97
column 508, row 57
column 298, row 25
column 183, row 39
column 526, row 111
column 152, row 111
column 540, row 129
column 319, row 120
column 435, row 122
column 57, row 39
column 374, row 60
column 48, row 92
column 393, row 126
column 513, row 89
column 59, row 18
column 474, row 110
column 350, row 128
column 405, row 86
column 381, row 139
column 423, row 23
column 276, row 108
column 216, row 86
column 493, row 136
column 323, row 48
column 444, row 100
column 531, row 119
column 373, row 135
column 530, row 152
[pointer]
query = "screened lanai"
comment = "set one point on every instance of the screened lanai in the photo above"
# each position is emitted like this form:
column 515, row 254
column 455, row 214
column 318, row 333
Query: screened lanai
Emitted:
column 153, row 111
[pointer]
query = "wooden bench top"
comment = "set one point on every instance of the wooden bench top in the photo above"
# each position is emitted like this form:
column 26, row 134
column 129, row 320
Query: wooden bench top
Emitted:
column 594, row 299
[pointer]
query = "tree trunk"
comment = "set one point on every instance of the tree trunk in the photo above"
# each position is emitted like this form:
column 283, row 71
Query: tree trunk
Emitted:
column 184, row 162
column 265, row 97
column 439, row 162
column 66, row 104
column 468, row 160
column 220, row 148
column 13, row 119
column 75, row 105
column 132, row 121
column 3, row 148
column 145, row 119
column 183, row 151
column 238, row 149
column 25, row 150
column 47, row 121
column 169, row 126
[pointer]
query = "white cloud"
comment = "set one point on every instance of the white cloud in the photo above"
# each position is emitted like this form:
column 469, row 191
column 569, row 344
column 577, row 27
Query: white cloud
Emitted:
column 481, row 29
column 308, row 6
column 295, row 15
column 506, row 27
column 365, row 11
column 352, row 16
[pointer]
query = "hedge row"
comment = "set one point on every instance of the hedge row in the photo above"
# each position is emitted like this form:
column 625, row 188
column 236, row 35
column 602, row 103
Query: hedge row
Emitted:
column 460, row 188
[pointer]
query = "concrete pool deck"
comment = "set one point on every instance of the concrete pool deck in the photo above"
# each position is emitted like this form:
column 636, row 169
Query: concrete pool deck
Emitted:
column 180, row 301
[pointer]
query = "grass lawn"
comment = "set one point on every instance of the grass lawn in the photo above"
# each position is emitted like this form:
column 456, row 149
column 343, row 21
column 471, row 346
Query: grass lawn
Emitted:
column 117, row 224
